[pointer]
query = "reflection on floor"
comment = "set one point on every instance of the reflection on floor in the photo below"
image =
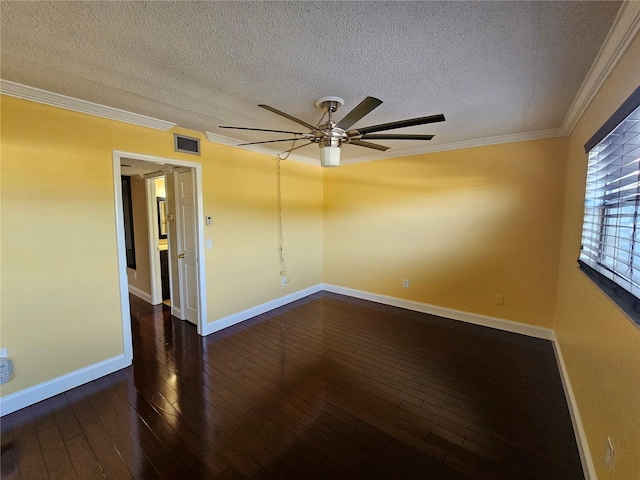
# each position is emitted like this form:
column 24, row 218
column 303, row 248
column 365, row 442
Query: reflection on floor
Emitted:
column 326, row 387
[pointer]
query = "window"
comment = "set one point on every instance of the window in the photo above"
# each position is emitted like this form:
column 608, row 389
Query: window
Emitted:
column 610, row 251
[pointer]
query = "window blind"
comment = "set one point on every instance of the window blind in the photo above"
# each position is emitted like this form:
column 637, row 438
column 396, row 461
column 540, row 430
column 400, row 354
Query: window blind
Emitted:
column 610, row 234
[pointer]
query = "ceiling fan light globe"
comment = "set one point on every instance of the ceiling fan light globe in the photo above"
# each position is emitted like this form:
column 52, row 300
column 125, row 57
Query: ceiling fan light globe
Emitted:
column 330, row 156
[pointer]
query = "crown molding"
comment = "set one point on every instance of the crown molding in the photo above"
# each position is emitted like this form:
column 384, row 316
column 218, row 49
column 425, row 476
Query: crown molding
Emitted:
column 25, row 92
column 233, row 142
column 479, row 142
column 624, row 29
column 622, row 33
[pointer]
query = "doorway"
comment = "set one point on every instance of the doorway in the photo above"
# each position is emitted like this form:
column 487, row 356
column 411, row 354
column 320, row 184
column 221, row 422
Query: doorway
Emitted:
column 194, row 288
column 160, row 202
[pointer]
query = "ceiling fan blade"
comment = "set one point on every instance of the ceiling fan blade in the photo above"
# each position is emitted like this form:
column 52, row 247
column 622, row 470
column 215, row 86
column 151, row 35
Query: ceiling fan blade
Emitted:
column 286, row 115
column 299, row 146
column 362, row 109
column 375, row 146
column 382, row 136
column 402, row 123
column 262, row 130
column 269, row 141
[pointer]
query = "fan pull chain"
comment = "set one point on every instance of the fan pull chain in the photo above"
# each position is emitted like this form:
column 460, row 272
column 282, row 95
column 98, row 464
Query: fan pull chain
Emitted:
column 283, row 272
column 288, row 151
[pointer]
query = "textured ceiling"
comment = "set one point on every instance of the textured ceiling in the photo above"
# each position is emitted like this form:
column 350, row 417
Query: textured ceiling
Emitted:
column 492, row 68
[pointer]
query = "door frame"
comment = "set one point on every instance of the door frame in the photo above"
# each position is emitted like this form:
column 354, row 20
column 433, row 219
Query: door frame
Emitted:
column 118, row 155
column 154, row 256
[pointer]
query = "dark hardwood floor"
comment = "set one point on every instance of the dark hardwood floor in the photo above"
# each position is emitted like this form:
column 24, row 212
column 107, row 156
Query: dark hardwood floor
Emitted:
column 326, row 387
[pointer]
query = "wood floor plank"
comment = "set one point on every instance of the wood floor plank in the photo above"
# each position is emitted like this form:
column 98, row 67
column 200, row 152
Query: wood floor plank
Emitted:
column 84, row 461
column 31, row 464
column 109, row 459
column 55, row 454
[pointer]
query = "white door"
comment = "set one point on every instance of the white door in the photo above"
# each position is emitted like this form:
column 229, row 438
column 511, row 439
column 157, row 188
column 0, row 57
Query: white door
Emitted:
column 187, row 243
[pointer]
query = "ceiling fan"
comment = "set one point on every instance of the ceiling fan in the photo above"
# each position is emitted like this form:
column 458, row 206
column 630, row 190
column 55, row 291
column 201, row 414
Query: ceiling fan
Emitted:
column 330, row 136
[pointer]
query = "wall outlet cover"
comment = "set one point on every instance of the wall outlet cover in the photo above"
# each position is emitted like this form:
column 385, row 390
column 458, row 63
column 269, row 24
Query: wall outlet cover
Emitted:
column 6, row 368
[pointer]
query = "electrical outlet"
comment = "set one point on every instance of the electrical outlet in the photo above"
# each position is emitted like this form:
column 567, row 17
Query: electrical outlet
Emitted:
column 3, row 352
column 609, row 454
column 6, row 369
column 405, row 283
column 499, row 300
column 284, row 280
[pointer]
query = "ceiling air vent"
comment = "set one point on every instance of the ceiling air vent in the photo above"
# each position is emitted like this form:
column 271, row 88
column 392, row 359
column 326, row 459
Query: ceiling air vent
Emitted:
column 186, row 144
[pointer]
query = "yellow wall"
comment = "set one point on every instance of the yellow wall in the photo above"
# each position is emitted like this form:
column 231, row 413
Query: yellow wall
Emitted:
column 462, row 226
column 600, row 345
column 244, row 231
column 60, row 288
column 161, row 190
column 60, row 306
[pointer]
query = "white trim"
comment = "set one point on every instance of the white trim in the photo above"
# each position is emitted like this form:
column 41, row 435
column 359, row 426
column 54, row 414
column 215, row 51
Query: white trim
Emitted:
column 259, row 309
column 155, row 285
column 479, row 142
column 202, row 276
column 140, row 294
column 28, row 396
column 233, row 142
column 69, row 103
column 125, row 310
column 448, row 313
column 624, row 29
column 118, row 155
column 477, row 319
column 581, row 438
column 175, row 311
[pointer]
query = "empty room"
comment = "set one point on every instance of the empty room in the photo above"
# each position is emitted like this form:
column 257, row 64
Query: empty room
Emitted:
column 256, row 239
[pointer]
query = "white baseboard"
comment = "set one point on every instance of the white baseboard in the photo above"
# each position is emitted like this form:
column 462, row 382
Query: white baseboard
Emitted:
column 175, row 311
column 581, row 438
column 258, row 310
column 499, row 324
column 477, row 319
column 140, row 294
column 28, row 396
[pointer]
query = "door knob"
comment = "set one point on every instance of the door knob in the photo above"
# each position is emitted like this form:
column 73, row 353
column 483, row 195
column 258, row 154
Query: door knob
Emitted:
column 181, row 255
